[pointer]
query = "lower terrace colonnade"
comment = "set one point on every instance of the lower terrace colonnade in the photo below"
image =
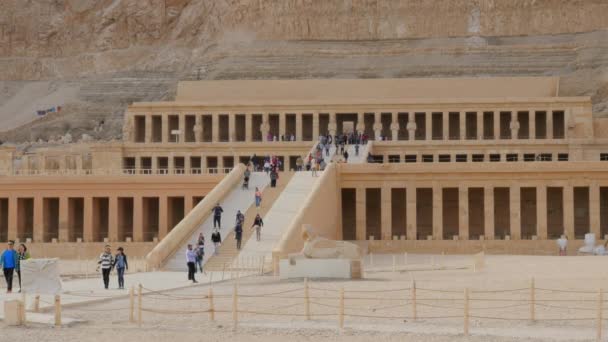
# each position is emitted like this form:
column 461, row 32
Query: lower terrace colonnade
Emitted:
column 416, row 124
column 511, row 210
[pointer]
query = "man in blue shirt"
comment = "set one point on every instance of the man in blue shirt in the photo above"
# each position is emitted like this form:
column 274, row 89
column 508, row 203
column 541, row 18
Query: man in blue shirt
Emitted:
column 8, row 261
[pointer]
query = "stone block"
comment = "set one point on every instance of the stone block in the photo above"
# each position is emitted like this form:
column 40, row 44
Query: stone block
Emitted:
column 455, row 237
column 429, row 237
column 79, row 240
column 28, row 240
column 481, row 237
column 403, row 237
column 128, row 239
column 13, row 312
column 507, row 237
column 395, row 237
column 155, row 239
column 534, row 237
column 54, row 240
column 371, row 238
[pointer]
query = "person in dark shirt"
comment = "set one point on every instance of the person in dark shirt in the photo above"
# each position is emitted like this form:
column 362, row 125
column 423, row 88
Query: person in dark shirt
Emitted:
column 238, row 235
column 258, row 223
column 217, row 216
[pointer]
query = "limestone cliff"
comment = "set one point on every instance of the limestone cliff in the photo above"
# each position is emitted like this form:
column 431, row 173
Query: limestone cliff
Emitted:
column 94, row 57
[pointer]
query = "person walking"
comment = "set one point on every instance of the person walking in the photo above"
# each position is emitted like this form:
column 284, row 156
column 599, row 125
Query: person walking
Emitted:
column 22, row 254
column 190, row 261
column 121, row 264
column 8, row 261
column 299, row 163
column 240, row 218
column 313, row 166
column 217, row 216
column 258, row 198
column 238, row 235
column 357, row 150
column 273, row 178
column 106, row 260
column 216, row 238
column 258, row 223
column 345, row 156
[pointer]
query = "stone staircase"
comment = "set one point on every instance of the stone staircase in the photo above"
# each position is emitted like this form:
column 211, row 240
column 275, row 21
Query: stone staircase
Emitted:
column 228, row 252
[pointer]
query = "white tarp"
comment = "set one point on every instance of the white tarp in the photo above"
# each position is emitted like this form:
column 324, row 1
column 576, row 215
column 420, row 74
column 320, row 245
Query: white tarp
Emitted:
column 40, row 276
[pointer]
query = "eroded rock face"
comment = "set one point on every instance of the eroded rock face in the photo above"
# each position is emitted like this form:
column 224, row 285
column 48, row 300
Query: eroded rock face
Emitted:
column 119, row 51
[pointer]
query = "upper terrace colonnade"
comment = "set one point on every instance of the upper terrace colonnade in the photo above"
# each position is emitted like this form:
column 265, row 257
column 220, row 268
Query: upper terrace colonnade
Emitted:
column 396, row 109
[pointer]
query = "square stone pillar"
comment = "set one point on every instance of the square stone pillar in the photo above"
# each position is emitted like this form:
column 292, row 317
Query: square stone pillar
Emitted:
column 411, row 127
column 386, row 217
column 248, row 125
column 163, row 227
column 113, row 219
column 182, row 127
column 480, row 125
column 514, row 125
column 437, row 212
column 594, row 210
column 568, row 198
column 550, row 124
column 488, row 217
column 541, row 211
column 198, row 128
column 265, row 127
column 332, row 126
column 148, row 128
column 360, row 123
column 187, row 164
column 165, row 128
column 462, row 121
column 445, row 122
column 496, row 125
column 411, row 212
column 299, row 127
column 215, row 127
column 287, row 163
column 38, row 219
column 463, row 211
column 171, row 164
column 428, row 119
column 361, row 223
column 87, row 229
column 231, row 127
column 315, row 126
column 394, row 126
column 154, row 164
column 377, row 124
column 137, row 164
column 138, row 219
column 532, row 123
column 64, row 233
column 188, row 204
column 515, row 209
column 203, row 164
column 12, row 217
column 282, row 117
column 220, row 163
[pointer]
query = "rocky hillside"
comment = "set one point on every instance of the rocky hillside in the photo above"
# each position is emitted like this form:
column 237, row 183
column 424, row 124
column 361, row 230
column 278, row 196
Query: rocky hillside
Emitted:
column 94, row 57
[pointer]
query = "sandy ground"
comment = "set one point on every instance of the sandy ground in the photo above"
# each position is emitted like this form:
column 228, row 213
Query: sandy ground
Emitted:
column 378, row 307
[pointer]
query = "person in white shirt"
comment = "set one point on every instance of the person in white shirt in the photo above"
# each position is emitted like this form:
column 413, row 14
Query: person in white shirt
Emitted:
column 562, row 243
column 191, row 262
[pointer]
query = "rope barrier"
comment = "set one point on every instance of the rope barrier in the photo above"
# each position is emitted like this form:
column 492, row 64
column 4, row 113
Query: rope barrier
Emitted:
column 538, row 319
column 175, row 312
column 565, row 307
column 499, row 307
column 500, row 291
column 565, row 291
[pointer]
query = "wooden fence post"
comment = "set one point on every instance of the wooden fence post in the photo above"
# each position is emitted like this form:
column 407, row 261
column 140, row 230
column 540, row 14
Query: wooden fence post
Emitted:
column 341, row 312
column 24, row 301
column 405, row 258
column 466, row 312
column 37, row 303
column 211, row 305
column 139, row 304
column 306, row 300
column 532, row 300
column 235, row 307
column 394, row 263
column 132, row 305
column 413, row 298
column 57, row 311
column 600, row 299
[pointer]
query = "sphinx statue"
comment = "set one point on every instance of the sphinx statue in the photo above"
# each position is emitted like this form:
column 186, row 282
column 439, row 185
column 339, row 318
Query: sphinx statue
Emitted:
column 317, row 247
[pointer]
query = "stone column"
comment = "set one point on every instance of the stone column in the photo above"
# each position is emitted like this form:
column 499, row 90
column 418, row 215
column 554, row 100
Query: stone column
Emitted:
column 215, row 127
column 479, row 125
column 394, row 126
column 488, row 207
column 171, row 164
column 437, row 212
column 594, row 210
column 163, row 228
column 445, row 122
column 428, row 119
column 87, row 229
column 496, row 124
column 231, row 127
column 299, row 126
column 386, row 217
column 360, row 123
column 463, row 210
column 12, row 217
column 532, row 124
column 550, row 124
column 188, row 204
column 411, row 212
column 332, row 126
column 264, row 127
column 138, row 219
column 541, row 211
column 315, row 126
column 220, row 163
column 515, row 208
column 38, row 220
column 182, row 127
column 360, row 214
column 198, row 128
column 137, row 164
column 187, row 164
column 64, row 233
column 154, row 164
column 148, row 128
column 203, row 164
column 248, row 127
column 411, row 127
column 164, row 128
column 462, row 121
column 287, row 163
column 113, row 218
column 377, row 125
column 514, row 125
column 282, row 117
column 568, row 193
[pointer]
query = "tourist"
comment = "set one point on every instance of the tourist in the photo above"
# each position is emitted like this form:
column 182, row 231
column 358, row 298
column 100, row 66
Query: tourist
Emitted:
column 293, row 137
column 345, row 155
column 258, row 197
column 258, row 223
column 299, row 163
column 190, row 261
column 313, row 166
column 327, row 149
column 246, row 176
column 216, row 238
column 200, row 251
column 562, row 243
column 357, row 149
column 8, row 261
column 273, row 178
column 217, row 216
column 238, row 234
column 267, row 166
column 106, row 260
column 22, row 254
column 121, row 264
column 240, row 218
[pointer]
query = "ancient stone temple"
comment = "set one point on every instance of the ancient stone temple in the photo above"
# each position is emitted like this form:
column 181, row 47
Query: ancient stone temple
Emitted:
column 455, row 163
